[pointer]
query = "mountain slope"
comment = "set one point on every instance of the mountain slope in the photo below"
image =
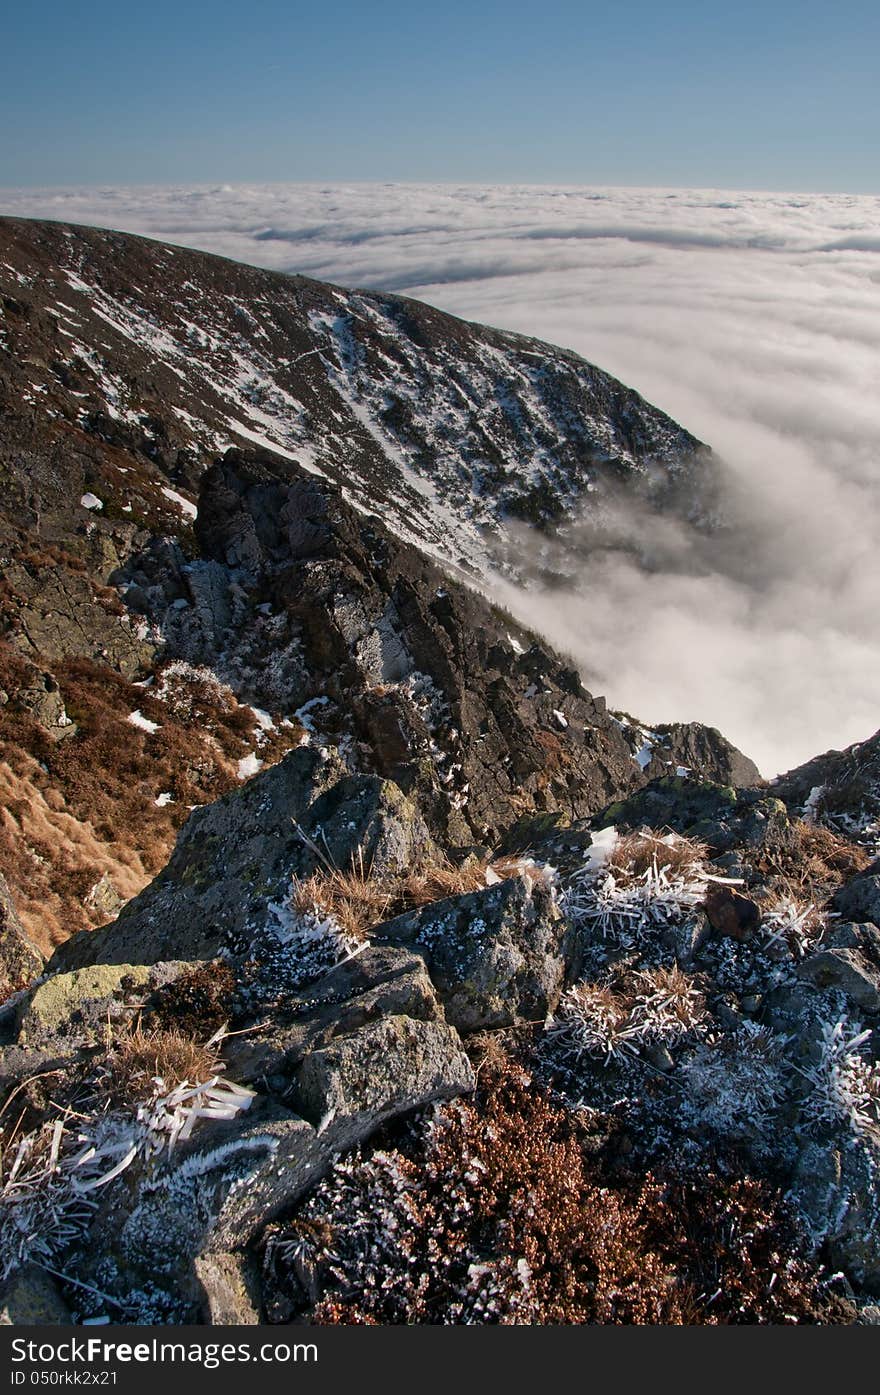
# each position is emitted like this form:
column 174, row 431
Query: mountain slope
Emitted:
column 170, row 356
column 159, row 639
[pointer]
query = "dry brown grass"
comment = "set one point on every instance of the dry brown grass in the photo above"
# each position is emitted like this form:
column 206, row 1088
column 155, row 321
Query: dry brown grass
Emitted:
column 439, row 878
column 358, row 900
column 811, row 865
column 676, row 994
column 136, row 1061
column 635, row 853
column 83, row 807
column 355, row 900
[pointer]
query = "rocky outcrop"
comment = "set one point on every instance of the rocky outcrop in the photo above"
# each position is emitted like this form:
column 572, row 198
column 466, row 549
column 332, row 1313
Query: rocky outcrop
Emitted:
column 859, row 899
column 123, row 352
column 269, row 534
column 20, row 960
column 227, row 885
column 703, row 751
column 496, row 957
column 840, row 789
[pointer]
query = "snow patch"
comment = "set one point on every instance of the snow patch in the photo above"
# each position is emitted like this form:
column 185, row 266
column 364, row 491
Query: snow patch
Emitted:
column 137, row 719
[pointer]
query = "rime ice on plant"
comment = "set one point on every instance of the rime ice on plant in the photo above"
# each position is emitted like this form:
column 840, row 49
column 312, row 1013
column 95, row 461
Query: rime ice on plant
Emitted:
column 622, row 902
column 845, row 1084
column 734, row 1084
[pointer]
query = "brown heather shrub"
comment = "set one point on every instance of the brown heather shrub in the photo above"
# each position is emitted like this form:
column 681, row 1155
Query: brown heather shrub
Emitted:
column 497, row 1220
column 197, row 1003
column 497, row 1211
column 738, row 1246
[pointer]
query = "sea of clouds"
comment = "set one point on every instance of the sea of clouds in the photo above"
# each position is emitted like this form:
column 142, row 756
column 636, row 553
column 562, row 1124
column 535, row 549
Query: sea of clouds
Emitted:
column 752, row 318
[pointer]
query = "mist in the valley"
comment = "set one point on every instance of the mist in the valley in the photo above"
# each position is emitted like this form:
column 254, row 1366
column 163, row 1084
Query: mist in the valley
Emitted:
column 765, row 627
column 753, row 319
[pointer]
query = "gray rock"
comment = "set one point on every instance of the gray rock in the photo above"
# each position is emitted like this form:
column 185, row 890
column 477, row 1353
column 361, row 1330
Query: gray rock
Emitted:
column 837, row 1191
column 848, row 970
column 218, row 1193
column 859, row 899
column 846, row 934
column 231, row 869
column 232, row 859
column 382, row 981
column 231, row 1289
column 30, row 1298
column 391, row 1065
column 496, row 956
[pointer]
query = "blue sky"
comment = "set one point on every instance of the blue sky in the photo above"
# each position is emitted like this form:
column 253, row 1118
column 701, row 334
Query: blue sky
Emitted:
column 780, row 94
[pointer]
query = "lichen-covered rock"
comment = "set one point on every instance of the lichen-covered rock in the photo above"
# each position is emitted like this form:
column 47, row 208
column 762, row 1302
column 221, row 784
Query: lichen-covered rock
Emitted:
column 495, row 956
column 73, row 1008
column 230, row 874
column 231, row 1289
column 848, row 970
column 859, row 899
column 394, row 1064
column 837, row 1190
column 382, row 981
column 75, row 1002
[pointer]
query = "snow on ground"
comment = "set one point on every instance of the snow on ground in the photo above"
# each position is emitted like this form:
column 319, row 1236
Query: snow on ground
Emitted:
column 137, row 719
column 185, row 505
column 249, row 765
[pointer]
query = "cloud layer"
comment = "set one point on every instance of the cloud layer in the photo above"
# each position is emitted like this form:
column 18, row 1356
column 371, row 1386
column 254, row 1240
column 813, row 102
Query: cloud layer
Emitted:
column 754, row 319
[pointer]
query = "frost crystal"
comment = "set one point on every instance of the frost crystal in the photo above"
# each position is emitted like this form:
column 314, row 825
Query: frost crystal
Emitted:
column 846, row 1086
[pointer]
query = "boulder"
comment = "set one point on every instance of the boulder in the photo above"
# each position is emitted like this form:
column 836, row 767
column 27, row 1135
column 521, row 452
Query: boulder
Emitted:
column 859, row 898
column 77, row 1002
column 384, row 980
column 730, row 913
column 230, row 873
column 496, row 956
column 391, row 1065
column 847, row 970
column 30, row 1298
column 231, row 1289
column 162, row 1229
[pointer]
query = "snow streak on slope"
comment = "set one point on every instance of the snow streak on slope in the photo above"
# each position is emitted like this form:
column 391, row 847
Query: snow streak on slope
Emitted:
column 449, row 430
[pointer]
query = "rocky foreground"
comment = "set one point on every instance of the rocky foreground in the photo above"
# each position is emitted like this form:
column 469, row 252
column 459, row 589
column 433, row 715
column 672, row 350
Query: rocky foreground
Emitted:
column 322, row 1070
column 359, row 965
